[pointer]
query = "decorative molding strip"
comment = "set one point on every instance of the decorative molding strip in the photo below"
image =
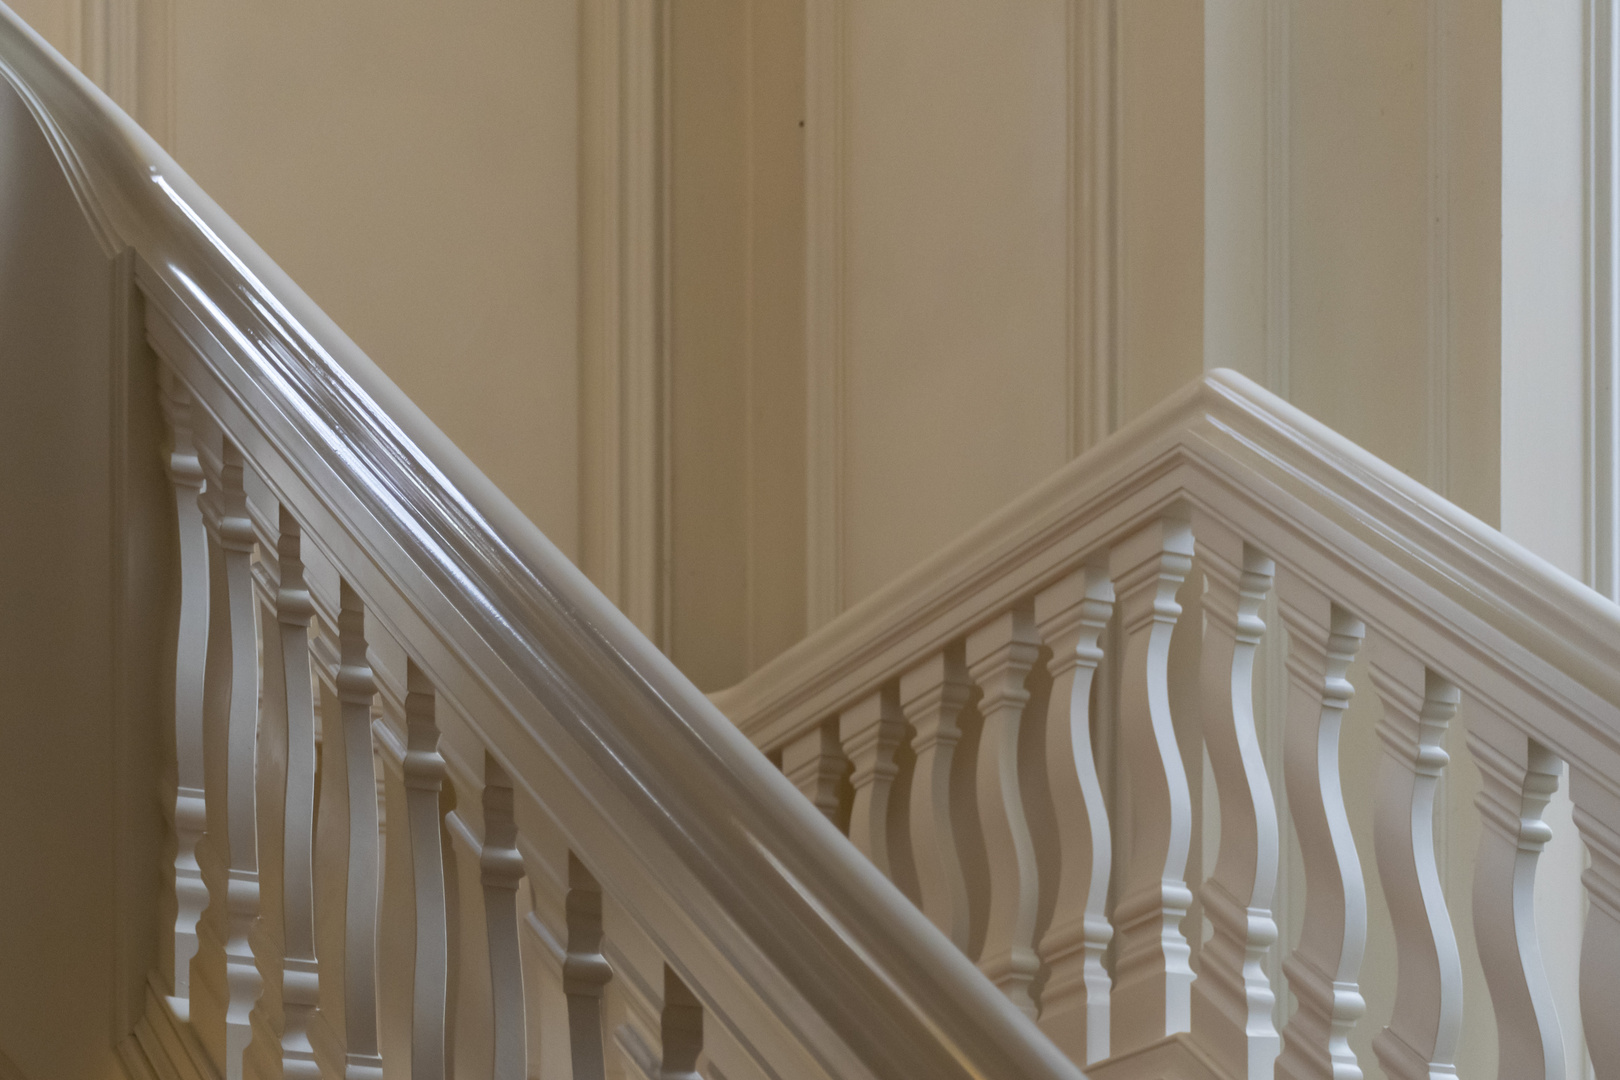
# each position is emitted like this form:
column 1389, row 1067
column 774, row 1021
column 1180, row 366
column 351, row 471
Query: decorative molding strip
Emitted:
column 109, row 48
column 1602, row 420
column 1279, row 202
column 825, row 343
column 1438, row 360
column 623, row 429
column 1094, row 240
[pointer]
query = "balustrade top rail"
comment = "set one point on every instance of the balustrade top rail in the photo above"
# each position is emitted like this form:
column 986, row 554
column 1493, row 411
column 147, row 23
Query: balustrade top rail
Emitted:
column 675, row 809
column 1466, row 598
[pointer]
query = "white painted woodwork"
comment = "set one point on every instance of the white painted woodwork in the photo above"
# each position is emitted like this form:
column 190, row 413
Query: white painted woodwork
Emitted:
column 680, row 1028
column 1152, row 977
column 188, row 814
column 999, row 659
column 932, row 696
column 356, row 686
column 1071, row 617
column 1232, row 997
column 500, row 870
column 1518, row 778
column 1421, row 1038
column 1597, row 815
column 225, row 979
column 816, row 764
column 586, row 973
column 871, row 733
column 1323, row 967
column 424, row 771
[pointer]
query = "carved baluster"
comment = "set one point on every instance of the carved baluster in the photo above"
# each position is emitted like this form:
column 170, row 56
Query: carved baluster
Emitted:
column 500, row 870
column 681, row 1026
column 1071, row 617
column 932, row 696
column 1232, row 999
column 424, row 778
column 585, row 973
column 300, row 978
column 816, row 765
column 225, row 979
column 1421, row 1039
column 1518, row 777
column 356, row 686
column 189, row 817
column 999, row 658
column 871, row 733
column 1597, row 816
column 1152, row 976
column 1323, row 969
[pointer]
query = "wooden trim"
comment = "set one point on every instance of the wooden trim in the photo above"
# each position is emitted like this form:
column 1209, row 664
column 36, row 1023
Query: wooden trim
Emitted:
column 109, row 48
column 1279, row 201
column 1094, row 227
column 826, row 149
column 1438, row 357
column 1602, row 273
column 623, row 426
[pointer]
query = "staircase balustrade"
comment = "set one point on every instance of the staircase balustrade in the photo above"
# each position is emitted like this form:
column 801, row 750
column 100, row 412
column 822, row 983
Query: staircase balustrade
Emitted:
column 1136, row 957
column 438, row 809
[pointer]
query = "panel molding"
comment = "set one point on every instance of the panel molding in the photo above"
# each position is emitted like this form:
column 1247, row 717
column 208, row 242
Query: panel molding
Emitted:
column 109, row 48
column 1438, row 360
column 1094, row 406
column 1602, row 300
column 826, row 148
column 623, row 363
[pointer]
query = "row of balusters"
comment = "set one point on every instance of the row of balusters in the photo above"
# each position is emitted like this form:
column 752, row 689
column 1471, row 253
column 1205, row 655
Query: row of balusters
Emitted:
column 276, row 980
column 972, row 781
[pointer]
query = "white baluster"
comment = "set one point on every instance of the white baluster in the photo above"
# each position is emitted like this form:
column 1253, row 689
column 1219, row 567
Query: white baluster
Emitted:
column 1232, row 999
column 500, row 870
column 1071, row 617
column 225, row 979
column 290, row 721
column 1000, row 656
column 932, row 696
column 1597, row 816
column 1323, row 969
column 871, row 733
column 585, row 973
column 424, row 771
column 1518, row 777
column 816, row 765
column 1152, row 976
column 1420, row 1041
column 356, row 686
column 681, row 1028
column 189, row 813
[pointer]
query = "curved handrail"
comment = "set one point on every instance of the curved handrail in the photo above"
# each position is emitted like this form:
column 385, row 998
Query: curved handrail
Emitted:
column 786, row 890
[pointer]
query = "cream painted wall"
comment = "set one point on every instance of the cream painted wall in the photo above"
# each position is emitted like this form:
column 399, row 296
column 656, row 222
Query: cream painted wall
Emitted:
column 413, row 168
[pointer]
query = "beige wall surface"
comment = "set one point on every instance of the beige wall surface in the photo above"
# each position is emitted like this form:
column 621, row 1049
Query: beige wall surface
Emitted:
column 412, row 166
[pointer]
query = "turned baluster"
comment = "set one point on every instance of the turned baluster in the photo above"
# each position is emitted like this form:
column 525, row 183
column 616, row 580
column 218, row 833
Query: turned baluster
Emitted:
column 1323, row 969
column 1592, row 788
column 1420, row 1041
column 1152, row 974
column 292, row 724
column 356, row 687
column 189, row 813
column 1071, row 617
column 815, row 763
column 681, row 1028
column 1518, row 777
column 871, row 733
column 424, row 773
column 500, row 870
column 932, row 696
column 586, row 973
column 1000, row 656
column 1232, row 999
column 225, row 979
